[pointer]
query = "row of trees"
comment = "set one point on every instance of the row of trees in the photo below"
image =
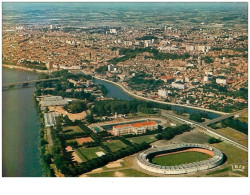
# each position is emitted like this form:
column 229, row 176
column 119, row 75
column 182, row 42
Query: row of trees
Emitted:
column 109, row 107
column 43, row 144
column 236, row 124
column 34, row 65
column 170, row 132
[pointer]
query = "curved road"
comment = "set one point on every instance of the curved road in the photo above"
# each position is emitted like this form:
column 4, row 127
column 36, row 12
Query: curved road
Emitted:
column 157, row 101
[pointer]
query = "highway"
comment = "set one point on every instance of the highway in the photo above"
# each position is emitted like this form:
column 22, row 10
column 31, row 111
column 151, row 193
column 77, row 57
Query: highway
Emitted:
column 190, row 122
column 206, row 128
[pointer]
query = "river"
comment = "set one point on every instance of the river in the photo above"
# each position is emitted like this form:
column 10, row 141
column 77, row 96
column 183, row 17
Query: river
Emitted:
column 20, row 128
column 116, row 92
column 20, row 132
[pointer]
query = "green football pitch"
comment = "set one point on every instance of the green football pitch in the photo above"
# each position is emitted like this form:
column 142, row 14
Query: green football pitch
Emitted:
column 180, row 158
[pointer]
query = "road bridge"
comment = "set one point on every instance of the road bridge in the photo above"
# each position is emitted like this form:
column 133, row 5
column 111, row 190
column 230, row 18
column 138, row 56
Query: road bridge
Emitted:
column 224, row 117
column 25, row 83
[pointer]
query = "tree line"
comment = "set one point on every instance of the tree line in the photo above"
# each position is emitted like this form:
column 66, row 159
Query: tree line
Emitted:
column 170, row 132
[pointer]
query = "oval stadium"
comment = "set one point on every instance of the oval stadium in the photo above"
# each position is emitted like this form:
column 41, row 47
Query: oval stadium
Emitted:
column 180, row 159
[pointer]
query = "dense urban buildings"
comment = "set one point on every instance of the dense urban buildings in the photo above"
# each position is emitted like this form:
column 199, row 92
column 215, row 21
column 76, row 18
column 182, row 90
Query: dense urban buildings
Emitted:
column 124, row 89
column 203, row 65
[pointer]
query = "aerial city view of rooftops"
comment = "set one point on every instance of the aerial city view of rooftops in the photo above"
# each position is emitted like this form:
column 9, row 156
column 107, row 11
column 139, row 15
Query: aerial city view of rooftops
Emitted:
column 125, row 89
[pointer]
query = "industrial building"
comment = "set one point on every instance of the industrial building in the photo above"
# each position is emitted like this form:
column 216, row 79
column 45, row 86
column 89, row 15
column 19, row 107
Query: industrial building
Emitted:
column 50, row 119
column 53, row 101
column 136, row 128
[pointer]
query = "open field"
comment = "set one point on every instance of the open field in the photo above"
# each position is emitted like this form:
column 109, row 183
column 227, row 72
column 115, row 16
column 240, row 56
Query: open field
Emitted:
column 194, row 136
column 73, row 117
column 89, row 153
column 234, row 156
column 244, row 117
column 72, row 129
column 115, row 145
column 120, row 173
column 180, row 158
column 234, row 135
column 145, row 138
column 140, row 114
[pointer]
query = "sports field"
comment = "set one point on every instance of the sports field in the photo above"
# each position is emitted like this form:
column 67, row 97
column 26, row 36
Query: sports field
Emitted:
column 89, row 153
column 180, row 158
column 72, row 129
column 115, row 145
column 145, row 138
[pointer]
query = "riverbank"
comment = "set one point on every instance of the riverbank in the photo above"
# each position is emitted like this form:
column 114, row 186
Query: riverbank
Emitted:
column 126, row 91
column 26, row 69
column 157, row 101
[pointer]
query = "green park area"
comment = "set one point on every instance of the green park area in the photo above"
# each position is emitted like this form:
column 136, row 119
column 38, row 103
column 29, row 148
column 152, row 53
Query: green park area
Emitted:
column 89, row 153
column 115, row 145
column 72, row 129
column 145, row 138
column 180, row 158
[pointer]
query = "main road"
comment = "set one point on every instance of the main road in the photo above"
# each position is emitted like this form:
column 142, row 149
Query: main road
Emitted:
column 176, row 117
column 206, row 128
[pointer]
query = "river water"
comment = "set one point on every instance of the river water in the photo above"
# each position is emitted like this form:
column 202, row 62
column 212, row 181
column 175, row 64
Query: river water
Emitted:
column 20, row 132
column 116, row 92
column 20, row 128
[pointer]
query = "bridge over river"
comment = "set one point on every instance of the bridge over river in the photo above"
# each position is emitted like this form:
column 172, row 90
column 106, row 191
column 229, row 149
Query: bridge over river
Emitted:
column 25, row 83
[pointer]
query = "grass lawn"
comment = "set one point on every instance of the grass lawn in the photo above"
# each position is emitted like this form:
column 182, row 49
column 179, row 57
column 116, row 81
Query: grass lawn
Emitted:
column 219, row 171
column 72, row 129
column 234, row 135
column 180, row 158
column 145, row 138
column 115, row 145
column 68, row 141
column 244, row 117
column 120, row 173
column 140, row 114
column 81, row 155
column 89, row 153
column 234, row 156
column 193, row 136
